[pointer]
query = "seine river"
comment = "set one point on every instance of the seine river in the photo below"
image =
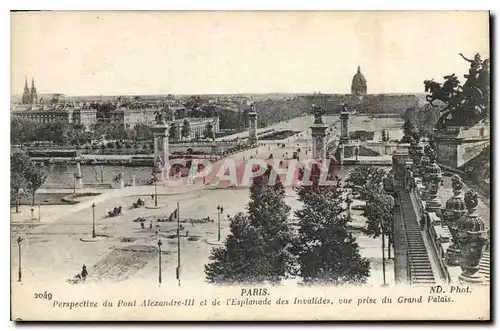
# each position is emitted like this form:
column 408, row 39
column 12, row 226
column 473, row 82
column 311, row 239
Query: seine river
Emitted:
column 63, row 175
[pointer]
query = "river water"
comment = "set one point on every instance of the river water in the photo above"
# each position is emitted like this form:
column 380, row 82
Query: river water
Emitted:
column 63, row 175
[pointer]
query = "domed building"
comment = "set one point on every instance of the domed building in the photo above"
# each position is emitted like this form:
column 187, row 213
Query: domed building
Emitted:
column 358, row 86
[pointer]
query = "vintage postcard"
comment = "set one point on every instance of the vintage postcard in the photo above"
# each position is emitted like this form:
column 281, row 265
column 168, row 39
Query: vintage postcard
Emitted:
column 250, row 166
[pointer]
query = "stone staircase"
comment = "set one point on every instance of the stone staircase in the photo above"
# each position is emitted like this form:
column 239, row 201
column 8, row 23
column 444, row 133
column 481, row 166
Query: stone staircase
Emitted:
column 418, row 259
column 484, row 266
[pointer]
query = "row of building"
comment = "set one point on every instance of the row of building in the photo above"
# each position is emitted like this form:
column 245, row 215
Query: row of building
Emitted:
column 128, row 117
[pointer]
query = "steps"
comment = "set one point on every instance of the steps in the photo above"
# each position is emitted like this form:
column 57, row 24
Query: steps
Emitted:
column 419, row 263
column 484, row 266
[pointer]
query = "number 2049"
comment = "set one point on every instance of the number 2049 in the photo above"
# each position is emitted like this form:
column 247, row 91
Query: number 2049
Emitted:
column 43, row 295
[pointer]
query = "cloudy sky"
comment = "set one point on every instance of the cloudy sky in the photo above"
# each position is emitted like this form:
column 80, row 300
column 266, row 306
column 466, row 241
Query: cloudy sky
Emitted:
column 114, row 53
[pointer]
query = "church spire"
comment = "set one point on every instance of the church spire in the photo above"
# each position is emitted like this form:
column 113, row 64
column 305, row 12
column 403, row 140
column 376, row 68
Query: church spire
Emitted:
column 33, row 94
column 26, row 93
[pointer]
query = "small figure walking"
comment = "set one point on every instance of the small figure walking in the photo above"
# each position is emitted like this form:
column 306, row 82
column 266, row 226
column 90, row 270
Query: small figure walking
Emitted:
column 142, row 225
column 151, row 225
column 84, row 272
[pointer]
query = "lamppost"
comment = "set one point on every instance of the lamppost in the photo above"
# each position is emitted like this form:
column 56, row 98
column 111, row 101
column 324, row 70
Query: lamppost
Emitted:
column 32, row 214
column 159, row 260
column 220, row 210
column 19, row 240
column 156, row 193
column 20, row 193
column 93, row 220
column 383, row 250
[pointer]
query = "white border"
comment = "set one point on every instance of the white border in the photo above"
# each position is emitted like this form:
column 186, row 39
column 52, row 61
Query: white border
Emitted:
column 184, row 5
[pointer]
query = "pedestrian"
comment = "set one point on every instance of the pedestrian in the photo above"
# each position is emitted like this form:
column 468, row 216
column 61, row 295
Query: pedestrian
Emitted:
column 84, row 272
column 151, row 225
column 142, row 225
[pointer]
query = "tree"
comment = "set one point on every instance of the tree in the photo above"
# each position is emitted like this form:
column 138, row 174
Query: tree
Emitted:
column 142, row 132
column 172, row 131
column 258, row 249
column 186, row 129
column 209, row 132
column 366, row 181
column 24, row 175
column 380, row 218
column 326, row 251
column 410, row 130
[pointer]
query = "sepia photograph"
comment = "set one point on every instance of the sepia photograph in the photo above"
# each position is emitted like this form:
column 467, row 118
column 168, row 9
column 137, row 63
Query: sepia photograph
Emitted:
column 250, row 165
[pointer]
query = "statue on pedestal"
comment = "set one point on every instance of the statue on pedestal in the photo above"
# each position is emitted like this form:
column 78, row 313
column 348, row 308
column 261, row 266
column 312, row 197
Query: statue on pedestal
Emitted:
column 465, row 104
column 318, row 114
column 159, row 117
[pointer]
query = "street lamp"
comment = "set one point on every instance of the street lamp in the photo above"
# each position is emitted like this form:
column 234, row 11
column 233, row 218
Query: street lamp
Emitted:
column 220, row 210
column 19, row 240
column 32, row 214
column 383, row 250
column 159, row 260
column 93, row 220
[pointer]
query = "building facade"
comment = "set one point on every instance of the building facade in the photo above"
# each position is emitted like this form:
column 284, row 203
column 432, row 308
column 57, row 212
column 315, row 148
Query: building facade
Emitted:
column 197, row 127
column 84, row 116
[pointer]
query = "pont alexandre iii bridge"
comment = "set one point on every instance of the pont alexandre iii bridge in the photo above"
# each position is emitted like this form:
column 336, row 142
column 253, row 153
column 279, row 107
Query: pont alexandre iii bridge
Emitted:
column 435, row 243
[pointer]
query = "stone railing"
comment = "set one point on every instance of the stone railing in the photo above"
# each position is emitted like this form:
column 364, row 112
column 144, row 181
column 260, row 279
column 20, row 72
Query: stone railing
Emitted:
column 454, row 234
column 73, row 198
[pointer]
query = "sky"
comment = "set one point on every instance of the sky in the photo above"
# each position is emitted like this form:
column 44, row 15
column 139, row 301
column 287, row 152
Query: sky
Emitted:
column 140, row 53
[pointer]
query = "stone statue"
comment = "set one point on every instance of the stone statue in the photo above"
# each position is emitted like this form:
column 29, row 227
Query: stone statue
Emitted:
column 252, row 107
column 159, row 119
column 466, row 104
column 318, row 113
column 475, row 65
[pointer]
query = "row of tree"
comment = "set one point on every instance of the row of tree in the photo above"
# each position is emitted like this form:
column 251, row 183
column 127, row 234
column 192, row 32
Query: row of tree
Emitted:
column 60, row 133
column 25, row 178
column 263, row 247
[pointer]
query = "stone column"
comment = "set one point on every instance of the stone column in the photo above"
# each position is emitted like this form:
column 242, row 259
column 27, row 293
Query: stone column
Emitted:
column 252, row 125
column 344, row 126
column 318, row 141
column 161, row 152
column 472, row 237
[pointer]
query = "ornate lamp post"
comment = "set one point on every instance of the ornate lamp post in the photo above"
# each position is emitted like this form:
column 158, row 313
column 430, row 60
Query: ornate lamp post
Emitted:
column 453, row 211
column 159, row 260
column 19, row 273
column 93, row 220
column 472, row 237
column 220, row 210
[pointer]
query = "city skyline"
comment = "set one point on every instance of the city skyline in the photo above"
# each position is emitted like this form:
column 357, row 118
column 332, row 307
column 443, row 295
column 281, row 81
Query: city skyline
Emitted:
column 109, row 53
